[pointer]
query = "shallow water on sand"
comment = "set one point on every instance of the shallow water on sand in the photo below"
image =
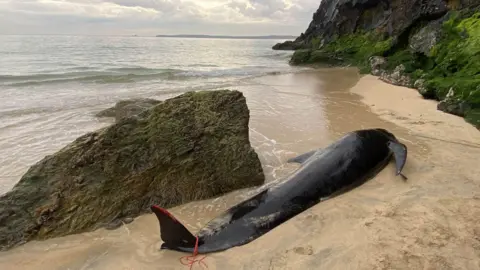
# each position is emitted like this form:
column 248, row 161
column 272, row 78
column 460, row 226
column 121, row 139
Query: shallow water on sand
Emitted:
column 290, row 114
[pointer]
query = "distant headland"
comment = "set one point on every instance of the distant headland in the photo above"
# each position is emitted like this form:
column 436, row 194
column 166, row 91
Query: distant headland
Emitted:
column 228, row 37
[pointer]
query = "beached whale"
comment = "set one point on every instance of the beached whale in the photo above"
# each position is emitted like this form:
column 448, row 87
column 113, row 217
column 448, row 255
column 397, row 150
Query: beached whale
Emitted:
column 324, row 173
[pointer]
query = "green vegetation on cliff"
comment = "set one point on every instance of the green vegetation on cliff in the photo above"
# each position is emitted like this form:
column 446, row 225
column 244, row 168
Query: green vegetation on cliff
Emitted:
column 456, row 64
column 456, row 57
column 453, row 61
column 351, row 49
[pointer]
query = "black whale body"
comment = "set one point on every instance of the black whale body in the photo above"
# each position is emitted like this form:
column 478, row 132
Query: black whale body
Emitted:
column 345, row 164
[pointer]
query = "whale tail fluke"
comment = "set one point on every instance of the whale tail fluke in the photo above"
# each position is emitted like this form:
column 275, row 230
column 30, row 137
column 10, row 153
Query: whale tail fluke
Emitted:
column 172, row 232
column 400, row 153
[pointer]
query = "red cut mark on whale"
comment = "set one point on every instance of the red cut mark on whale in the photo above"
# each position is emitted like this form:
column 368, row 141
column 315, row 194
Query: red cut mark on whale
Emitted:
column 166, row 213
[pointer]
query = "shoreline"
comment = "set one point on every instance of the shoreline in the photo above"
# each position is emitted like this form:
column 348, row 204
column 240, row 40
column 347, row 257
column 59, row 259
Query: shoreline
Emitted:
column 428, row 222
column 407, row 108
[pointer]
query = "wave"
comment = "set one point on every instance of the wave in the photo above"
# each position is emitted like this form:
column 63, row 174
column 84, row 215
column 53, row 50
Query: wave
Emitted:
column 130, row 74
column 98, row 76
column 230, row 72
column 14, row 116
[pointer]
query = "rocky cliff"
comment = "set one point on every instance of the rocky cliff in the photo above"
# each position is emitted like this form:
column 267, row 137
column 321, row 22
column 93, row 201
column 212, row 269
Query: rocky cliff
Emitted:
column 432, row 45
column 191, row 147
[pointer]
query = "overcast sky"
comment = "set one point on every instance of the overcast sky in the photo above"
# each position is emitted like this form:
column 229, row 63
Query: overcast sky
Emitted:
column 150, row 17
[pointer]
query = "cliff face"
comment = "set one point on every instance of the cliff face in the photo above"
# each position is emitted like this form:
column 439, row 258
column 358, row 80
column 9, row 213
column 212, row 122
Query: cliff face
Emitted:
column 337, row 17
column 390, row 18
column 431, row 45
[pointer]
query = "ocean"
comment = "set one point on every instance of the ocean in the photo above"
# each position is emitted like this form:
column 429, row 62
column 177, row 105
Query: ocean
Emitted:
column 51, row 86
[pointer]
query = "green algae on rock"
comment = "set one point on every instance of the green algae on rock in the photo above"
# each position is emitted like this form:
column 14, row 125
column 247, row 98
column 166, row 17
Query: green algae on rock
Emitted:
column 453, row 63
column 354, row 49
column 390, row 18
column 191, row 147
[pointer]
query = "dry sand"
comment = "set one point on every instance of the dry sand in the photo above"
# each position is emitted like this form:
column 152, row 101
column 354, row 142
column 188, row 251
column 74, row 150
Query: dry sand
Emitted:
column 429, row 222
column 435, row 222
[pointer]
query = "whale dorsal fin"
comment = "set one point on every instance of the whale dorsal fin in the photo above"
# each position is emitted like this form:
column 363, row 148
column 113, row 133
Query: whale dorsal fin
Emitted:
column 303, row 157
column 172, row 232
column 399, row 151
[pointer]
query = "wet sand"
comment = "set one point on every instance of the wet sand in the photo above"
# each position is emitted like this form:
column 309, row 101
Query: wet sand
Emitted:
column 429, row 222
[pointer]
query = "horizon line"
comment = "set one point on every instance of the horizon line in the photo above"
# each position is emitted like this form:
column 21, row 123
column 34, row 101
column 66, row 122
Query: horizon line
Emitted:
column 141, row 35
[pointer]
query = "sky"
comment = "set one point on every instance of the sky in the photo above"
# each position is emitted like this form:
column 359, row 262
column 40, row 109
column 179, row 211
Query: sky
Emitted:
column 151, row 17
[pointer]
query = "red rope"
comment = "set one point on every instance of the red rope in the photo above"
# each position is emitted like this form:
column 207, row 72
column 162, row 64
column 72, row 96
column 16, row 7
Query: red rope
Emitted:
column 190, row 260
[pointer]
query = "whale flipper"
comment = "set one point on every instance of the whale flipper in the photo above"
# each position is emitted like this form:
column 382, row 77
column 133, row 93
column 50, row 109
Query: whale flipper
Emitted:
column 172, row 232
column 303, row 157
column 399, row 151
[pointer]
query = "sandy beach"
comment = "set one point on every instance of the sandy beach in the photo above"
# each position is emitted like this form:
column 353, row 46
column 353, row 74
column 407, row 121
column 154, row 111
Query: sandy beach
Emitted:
column 428, row 222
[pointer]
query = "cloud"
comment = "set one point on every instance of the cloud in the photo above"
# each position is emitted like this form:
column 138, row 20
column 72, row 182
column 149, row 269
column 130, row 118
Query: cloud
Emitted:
column 156, row 16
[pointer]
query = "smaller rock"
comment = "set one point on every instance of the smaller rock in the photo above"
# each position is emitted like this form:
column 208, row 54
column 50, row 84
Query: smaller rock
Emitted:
column 128, row 108
column 419, row 84
column 423, row 90
column 399, row 70
column 453, row 105
column 397, row 77
column 378, row 65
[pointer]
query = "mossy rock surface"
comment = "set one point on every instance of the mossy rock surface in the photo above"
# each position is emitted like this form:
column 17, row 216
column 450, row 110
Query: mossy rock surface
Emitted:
column 191, row 147
column 354, row 49
column 335, row 18
column 453, row 63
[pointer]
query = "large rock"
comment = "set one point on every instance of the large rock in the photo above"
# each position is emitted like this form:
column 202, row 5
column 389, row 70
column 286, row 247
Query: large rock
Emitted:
column 191, row 147
column 296, row 44
column 288, row 46
column 335, row 18
column 427, row 37
column 128, row 108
